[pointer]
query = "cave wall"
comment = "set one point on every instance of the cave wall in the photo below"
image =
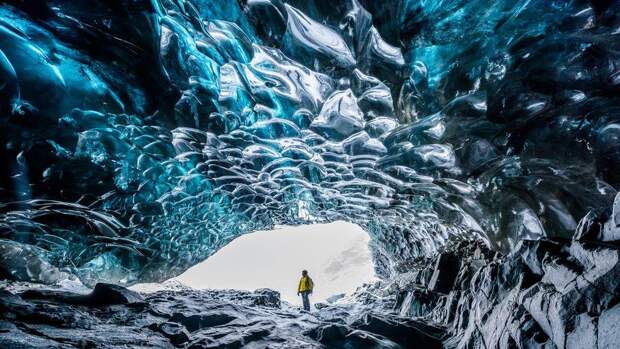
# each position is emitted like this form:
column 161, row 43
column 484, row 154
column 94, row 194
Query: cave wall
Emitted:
column 141, row 136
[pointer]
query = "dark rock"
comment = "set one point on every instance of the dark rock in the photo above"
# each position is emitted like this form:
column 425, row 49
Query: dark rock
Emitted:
column 10, row 302
column 547, row 293
column 105, row 294
column 341, row 336
column 177, row 333
column 533, row 252
column 53, row 295
column 444, row 275
column 13, row 308
column 17, row 339
column 6, row 326
column 615, row 214
column 216, row 319
column 590, row 226
column 601, row 226
column 329, row 333
column 267, row 298
column 320, row 305
column 416, row 302
column 236, row 339
column 405, row 332
column 195, row 322
column 102, row 294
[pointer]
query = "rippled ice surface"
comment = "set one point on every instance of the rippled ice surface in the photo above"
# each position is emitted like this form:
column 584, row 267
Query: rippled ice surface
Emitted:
column 139, row 137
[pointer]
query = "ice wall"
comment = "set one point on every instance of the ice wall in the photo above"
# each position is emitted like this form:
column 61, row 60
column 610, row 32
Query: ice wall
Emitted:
column 141, row 136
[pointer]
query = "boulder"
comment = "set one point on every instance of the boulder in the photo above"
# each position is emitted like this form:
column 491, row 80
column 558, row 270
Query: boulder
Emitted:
column 342, row 336
column 267, row 298
column 106, row 294
column 194, row 322
column 102, row 294
column 175, row 332
column 406, row 332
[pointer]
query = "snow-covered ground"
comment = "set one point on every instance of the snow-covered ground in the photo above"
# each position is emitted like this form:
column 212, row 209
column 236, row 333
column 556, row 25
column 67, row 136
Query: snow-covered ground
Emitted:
column 336, row 256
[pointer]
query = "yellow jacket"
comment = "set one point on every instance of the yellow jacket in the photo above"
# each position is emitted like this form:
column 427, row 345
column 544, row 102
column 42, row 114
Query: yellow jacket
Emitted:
column 305, row 284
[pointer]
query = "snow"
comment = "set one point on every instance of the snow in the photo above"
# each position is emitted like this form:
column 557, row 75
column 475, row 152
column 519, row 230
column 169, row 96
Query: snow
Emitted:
column 336, row 256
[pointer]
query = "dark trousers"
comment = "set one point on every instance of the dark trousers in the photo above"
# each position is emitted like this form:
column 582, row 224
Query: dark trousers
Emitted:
column 306, row 300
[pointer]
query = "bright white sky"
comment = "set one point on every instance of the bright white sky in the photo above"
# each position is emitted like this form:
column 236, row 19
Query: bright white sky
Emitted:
column 336, row 256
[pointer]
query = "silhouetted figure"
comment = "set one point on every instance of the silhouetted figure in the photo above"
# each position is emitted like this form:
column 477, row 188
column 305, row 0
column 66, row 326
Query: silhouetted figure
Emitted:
column 305, row 289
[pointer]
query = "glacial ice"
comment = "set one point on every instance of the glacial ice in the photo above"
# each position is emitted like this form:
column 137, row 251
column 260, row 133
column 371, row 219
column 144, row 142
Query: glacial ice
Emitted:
column 141, row 136
column 307, row 40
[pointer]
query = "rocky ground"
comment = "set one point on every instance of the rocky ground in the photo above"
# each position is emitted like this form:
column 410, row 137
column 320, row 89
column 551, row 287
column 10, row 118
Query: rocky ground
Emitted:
column 548, row 293
column 112, row 317
column 551, row 293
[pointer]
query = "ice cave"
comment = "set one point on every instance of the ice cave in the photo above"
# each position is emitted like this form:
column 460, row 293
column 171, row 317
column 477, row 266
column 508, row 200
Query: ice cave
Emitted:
column 336, row 254
column 475, row 142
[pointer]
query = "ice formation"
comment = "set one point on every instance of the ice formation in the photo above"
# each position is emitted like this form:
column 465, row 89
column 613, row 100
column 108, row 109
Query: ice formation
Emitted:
column 141, row 136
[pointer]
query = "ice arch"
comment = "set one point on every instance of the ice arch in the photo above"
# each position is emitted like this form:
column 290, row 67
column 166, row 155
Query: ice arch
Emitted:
column 142, row 136
column 337, row 256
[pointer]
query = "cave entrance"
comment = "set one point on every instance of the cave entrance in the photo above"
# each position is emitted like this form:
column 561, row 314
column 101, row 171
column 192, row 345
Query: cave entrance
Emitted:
column 335, row 254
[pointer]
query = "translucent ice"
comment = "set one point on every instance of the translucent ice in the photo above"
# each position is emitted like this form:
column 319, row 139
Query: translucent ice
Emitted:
column 140, row 137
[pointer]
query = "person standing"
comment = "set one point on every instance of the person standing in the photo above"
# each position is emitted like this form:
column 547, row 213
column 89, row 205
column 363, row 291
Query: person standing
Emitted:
column 305, row 289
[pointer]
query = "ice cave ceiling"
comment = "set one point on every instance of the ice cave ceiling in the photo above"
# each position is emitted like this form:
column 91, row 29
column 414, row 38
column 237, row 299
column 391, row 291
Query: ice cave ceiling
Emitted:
column 139, row 136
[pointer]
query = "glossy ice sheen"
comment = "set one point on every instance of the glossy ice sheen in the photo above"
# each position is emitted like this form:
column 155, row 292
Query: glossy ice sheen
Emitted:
column 141, row 136
column 306, row 38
